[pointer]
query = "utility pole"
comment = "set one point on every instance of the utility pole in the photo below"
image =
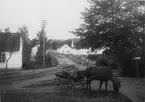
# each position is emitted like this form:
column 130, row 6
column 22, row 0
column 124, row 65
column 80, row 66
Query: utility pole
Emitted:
column 43, row 32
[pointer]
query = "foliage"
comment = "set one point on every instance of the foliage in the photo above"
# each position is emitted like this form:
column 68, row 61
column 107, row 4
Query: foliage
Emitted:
column 8, row 44
column 116, row 24
column 109, row 21
column 33, row 42
column 7, row 30
column 54, row 45
column 26, row 44
column 41, row 36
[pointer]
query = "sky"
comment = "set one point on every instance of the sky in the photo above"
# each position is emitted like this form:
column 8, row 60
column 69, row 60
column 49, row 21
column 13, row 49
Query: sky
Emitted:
column 61, row 16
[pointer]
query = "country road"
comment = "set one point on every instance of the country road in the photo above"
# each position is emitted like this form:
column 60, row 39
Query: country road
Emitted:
column 63, row 60
column 41, row 80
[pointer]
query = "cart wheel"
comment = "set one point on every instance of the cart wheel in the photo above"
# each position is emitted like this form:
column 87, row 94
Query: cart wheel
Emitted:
column 57, row 80
column 71, row 84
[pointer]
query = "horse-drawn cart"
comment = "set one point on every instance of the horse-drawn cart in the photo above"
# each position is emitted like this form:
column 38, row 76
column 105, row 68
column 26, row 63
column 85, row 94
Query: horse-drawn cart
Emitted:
column 68, row 77
column 71, row 76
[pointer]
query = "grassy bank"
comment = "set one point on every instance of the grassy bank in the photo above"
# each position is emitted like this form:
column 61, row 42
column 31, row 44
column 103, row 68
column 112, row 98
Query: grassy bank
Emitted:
column 21, row 96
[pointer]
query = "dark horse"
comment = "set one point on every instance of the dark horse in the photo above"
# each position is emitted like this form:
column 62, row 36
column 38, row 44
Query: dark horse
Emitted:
column 101, row 73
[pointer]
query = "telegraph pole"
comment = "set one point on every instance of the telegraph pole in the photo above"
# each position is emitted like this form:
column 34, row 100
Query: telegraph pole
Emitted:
column 43, row 32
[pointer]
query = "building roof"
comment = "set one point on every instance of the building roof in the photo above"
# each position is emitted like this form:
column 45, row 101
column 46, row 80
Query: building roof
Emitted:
column 69, row 42
column 65, row 46
column 9, row 42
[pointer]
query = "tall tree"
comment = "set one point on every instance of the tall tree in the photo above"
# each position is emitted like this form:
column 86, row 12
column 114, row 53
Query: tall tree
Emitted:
column 26, row 43
column 116, row 24
column 41, row 53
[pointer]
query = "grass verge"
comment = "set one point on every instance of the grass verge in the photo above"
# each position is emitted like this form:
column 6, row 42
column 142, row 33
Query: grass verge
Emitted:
column 22, row 96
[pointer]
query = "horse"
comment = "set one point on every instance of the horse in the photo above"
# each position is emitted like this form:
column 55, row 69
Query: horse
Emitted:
column 101, row 73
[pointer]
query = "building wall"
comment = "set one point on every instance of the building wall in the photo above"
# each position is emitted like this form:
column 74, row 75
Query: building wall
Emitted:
column 64, row 49
column 15, row 62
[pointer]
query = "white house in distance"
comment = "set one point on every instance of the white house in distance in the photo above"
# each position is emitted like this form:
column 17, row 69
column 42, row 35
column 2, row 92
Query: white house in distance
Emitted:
column 11, row 42
column 65, row 49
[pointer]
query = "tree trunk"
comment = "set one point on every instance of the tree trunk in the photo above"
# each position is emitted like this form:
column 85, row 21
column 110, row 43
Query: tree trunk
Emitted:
column 119, row 56
column 7, row 62
column 6, row 66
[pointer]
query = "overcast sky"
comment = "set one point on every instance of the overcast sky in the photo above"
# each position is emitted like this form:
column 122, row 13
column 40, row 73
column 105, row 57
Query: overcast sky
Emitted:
column 61, row 16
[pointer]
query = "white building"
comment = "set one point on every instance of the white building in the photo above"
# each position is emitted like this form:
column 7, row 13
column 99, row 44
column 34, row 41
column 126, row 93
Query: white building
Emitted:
column 65, row 49
column 15, row 61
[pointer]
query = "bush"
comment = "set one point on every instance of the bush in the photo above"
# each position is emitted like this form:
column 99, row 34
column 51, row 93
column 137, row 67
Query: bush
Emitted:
column 29, row 65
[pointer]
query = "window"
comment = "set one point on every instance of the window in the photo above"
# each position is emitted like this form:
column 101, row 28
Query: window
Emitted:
column 2, row 57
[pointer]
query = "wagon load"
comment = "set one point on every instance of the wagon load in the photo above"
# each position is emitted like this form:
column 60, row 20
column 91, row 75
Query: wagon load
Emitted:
column 68, row 71
column 70, row 75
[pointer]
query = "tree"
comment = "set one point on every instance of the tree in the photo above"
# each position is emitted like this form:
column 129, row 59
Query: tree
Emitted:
column 41, row 53
column 8, row 44
column 7, row 30
column 33, row 42
column 112, row 23
column 26, row 53
column 54, row 45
